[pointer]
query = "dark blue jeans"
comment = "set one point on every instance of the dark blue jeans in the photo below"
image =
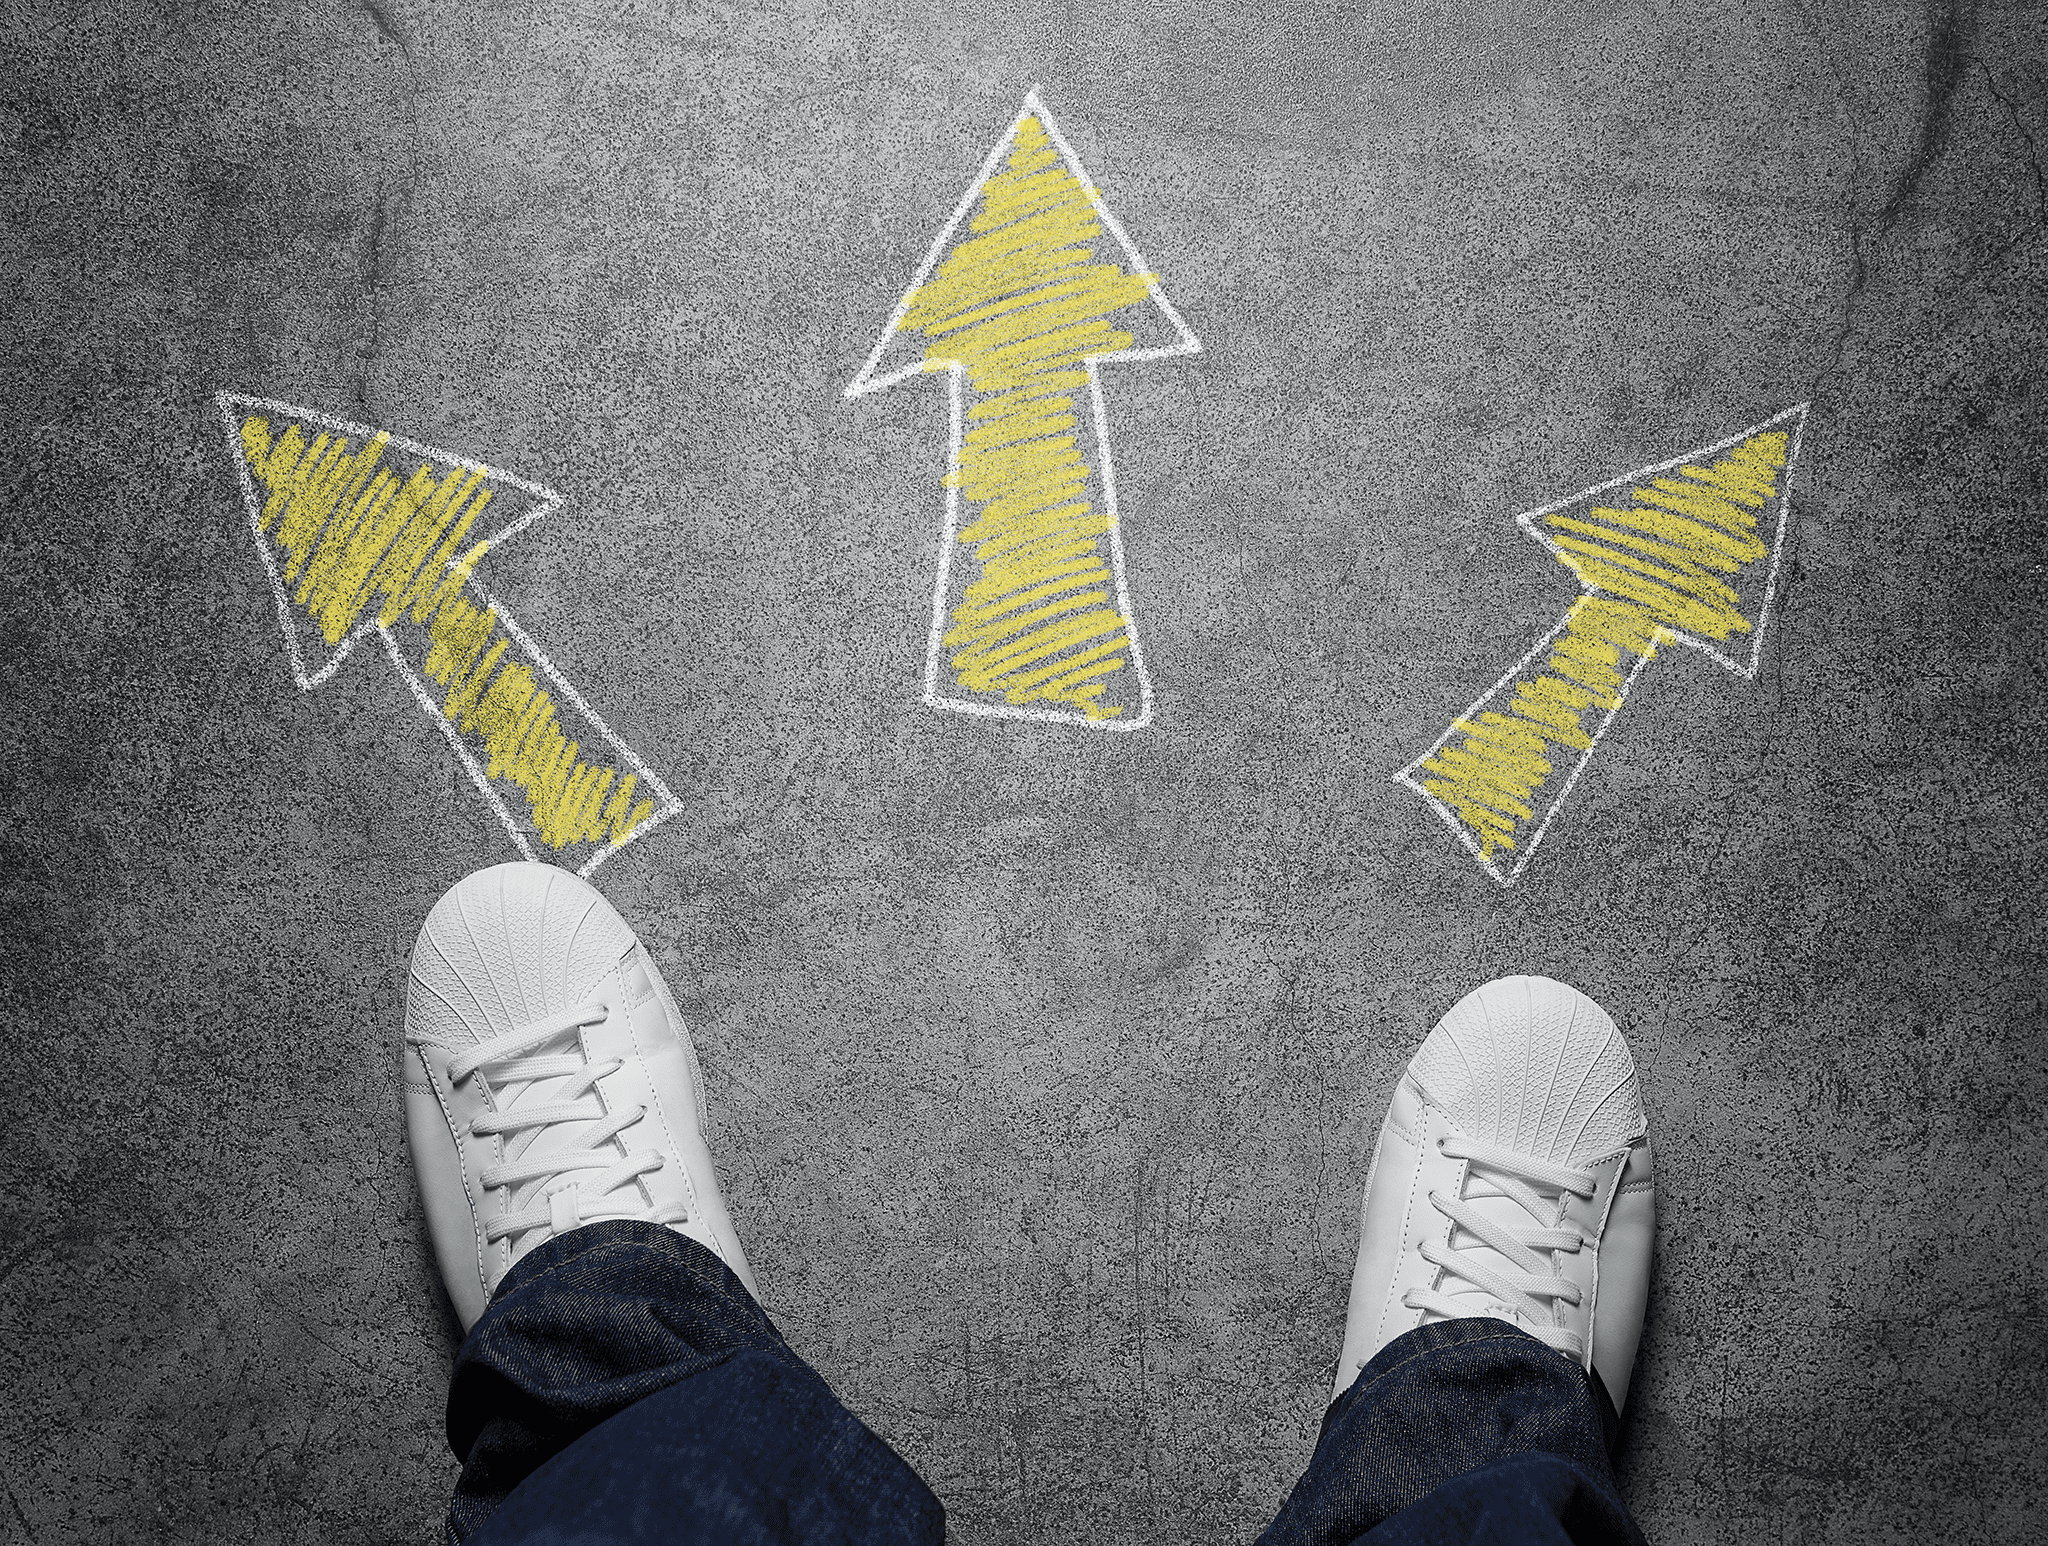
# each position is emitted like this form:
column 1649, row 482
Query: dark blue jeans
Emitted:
column 623, row 1387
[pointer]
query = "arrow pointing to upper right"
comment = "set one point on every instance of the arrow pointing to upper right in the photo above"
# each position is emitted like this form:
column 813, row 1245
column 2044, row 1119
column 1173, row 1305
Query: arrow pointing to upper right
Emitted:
column 1683, row 552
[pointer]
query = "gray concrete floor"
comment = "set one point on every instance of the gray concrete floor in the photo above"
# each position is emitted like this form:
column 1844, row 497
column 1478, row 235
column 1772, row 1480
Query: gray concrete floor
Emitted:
column 1043, row 1063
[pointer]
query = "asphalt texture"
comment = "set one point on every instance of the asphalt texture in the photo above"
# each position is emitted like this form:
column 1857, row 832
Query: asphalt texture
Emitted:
column 1043, row 1062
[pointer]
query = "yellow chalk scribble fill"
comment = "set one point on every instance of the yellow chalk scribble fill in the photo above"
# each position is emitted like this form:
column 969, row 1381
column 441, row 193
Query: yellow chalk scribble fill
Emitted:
column 359, row 542
column 1660, row 565
column 1021, row 305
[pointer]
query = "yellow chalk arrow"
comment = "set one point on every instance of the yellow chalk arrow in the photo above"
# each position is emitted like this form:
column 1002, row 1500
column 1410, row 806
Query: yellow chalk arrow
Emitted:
column 1684, row 552
column 1020, row 301
column 365, row 534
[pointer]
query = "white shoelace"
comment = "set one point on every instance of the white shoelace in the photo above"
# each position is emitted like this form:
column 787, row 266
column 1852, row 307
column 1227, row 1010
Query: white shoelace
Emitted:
column 509, row 1063
column 1530, row 1295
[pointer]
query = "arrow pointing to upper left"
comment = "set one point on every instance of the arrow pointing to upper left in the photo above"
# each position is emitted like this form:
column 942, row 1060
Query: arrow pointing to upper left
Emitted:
column 364, row 533
column 1020, row 301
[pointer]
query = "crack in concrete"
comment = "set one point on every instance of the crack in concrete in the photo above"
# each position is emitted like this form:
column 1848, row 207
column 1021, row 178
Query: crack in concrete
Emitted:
column 28, row 1532
column 373, row 281
column 1851, row 121
column 1946, row 61
column 387, row 218
column 2026, row 135
column 387, row 27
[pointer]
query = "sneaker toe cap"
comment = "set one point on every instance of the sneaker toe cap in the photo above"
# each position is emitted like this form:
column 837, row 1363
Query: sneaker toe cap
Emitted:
column 1536, row 1066
column 507, row 946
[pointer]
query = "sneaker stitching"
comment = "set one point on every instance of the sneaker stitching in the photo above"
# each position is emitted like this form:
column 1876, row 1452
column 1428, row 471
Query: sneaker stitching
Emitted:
column 673, row 1150
column 1394, row 1297
column 1619, row 1162
column 476, row 1223
column 658, row 986
column 634, row 999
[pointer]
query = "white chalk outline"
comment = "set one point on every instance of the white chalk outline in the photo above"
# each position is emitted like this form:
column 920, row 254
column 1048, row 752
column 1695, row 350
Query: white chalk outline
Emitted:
column 866, row 382
column 1662, row 636
column 546, row 502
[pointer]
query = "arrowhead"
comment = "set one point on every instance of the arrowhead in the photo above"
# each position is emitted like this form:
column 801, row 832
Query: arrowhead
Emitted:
column 357, row 526
column 1691, row 545
column 1029, row 260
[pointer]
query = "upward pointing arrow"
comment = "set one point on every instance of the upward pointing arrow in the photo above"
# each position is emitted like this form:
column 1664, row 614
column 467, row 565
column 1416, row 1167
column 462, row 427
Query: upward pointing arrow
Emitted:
column 1020, row 310
column 367, row 535
column 1685, row 552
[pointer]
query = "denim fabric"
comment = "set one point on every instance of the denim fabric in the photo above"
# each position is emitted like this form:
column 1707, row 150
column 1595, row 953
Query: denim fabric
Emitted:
column 623, row 1386
column 1462, row 1431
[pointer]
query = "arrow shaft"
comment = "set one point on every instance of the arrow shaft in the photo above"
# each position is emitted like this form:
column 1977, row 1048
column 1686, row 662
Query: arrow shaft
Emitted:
column 1504, row 767
column 1035, row 608
column 502, row 699
column 424, row 696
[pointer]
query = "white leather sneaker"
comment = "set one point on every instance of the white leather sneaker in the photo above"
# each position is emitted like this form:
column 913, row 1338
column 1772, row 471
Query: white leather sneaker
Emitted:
column 1512, row 1179
column 549, row 1080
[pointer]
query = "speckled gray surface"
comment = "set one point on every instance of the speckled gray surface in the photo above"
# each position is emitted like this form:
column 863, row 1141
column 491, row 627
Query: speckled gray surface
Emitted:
column 1042, row 1062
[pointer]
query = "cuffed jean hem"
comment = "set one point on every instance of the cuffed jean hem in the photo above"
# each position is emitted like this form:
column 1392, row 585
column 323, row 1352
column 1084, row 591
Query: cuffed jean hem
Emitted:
column 623, row 1385
column 1458, row 1425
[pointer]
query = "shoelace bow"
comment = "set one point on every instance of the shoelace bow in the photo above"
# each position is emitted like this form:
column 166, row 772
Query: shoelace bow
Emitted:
column 509, row 1062
column 1532, row 1294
